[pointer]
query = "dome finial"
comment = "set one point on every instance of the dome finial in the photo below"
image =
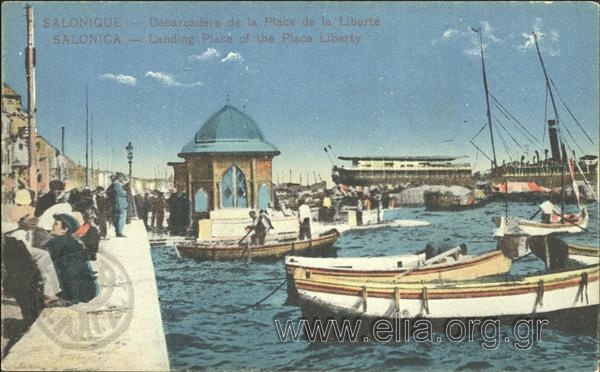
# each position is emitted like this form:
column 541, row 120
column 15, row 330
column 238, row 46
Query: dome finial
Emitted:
column 227, row 98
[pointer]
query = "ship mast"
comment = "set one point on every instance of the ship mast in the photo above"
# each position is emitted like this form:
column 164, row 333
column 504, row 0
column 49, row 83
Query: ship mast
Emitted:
column 87, row 141
column 487, row 97
column 30, row 74
column 564, row 155
column 546, row 76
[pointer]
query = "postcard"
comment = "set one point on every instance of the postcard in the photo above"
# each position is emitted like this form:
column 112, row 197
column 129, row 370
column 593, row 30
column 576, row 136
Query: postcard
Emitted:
column 300, row 185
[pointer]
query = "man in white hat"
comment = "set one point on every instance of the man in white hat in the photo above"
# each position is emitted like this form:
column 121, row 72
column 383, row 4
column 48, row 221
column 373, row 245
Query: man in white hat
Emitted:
column 19, row 249
column 304, row 217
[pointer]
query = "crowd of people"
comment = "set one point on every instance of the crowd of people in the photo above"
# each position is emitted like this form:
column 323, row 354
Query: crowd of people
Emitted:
column 328, row 209
column 47, row 245
column 48, row 242
column 360, row 201
column 151, row 207
column 261, row 224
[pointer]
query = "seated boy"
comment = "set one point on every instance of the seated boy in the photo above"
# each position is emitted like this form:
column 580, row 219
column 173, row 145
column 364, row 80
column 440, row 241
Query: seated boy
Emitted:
column 77, row 281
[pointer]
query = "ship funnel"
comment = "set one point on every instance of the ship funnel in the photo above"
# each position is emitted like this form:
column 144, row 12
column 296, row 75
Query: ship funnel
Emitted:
column 552, row 132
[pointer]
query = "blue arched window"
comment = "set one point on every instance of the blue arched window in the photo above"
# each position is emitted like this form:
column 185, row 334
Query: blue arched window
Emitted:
column 264, row 197
column 233, row 189
column 200, row 201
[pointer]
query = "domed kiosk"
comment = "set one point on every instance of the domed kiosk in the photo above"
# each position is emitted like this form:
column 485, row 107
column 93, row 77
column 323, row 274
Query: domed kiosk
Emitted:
column 227, row 168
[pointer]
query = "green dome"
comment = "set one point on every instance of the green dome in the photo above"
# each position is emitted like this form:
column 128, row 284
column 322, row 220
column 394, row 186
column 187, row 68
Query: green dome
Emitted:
column 229, row 131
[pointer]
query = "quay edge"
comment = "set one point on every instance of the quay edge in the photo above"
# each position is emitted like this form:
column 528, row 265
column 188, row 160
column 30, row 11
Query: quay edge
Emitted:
column 138, row 345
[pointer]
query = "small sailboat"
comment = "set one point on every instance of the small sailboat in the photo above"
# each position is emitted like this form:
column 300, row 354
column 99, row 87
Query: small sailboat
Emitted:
column 554, row 219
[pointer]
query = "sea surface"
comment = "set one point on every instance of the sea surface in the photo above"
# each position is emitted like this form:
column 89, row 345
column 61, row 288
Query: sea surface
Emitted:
column 205, row 327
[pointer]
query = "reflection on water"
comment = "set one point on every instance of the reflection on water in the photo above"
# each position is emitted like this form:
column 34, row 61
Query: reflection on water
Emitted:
column 203, row 329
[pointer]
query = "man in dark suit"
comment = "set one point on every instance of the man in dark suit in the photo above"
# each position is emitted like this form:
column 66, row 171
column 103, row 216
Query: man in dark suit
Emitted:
column 49, row 199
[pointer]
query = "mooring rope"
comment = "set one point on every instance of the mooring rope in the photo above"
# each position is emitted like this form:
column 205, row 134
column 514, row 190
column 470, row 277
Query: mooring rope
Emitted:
column 259, row 302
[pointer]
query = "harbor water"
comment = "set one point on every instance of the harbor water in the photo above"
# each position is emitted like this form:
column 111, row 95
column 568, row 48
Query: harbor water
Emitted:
column 204, row 327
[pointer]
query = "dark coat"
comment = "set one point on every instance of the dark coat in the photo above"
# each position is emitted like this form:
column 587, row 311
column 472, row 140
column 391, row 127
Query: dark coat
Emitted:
column 21, row 278
column 103, row 207
column 45, row 202
column 77, row 281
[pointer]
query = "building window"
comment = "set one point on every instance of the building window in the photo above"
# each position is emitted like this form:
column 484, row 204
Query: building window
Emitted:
column 264, row 197
column 200, row 201
column 233, row 189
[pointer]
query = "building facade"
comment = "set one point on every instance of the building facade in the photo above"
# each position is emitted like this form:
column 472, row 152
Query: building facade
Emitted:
column 15, row 150
column 227, row 165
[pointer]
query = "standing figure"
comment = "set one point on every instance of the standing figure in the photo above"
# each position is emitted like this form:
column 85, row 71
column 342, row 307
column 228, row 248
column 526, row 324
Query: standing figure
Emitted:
column 103, row 211
column 153, row 198
column 159, row 210
column 173, row 203
column 262, row 227
column 304, row 215
column 110, row 201
column 144, row 209
column 120, row 203
column 359, row 211
column 251, row 229
column 184, row 213
column 368, row 205
column 328, row 211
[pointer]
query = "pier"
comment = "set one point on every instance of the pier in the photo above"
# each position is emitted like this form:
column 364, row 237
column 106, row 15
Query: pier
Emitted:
column 120, row 329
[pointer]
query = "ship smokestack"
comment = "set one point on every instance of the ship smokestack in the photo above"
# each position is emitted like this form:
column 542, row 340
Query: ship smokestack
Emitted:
column 552, row 132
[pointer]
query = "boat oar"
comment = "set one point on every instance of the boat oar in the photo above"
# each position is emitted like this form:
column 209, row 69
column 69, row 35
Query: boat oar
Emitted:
column 574, row 224
column 535, row 214
column 245, row 236
column 432, row 260
column 571, row 222
column 247, row 247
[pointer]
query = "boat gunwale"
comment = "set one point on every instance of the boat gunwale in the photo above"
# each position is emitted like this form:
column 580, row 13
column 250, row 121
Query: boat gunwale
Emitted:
column 257, row 248
column 257, row 252
column 525, row 285
column 444, row 267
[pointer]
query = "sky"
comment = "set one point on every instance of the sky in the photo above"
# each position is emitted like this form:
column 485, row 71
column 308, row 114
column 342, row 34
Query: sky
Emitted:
column 401, row 78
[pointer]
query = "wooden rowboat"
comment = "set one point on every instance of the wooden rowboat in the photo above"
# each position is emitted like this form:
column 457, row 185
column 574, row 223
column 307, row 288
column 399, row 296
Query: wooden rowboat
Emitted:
column 439, row 201
column 574, row 291
column 559, row 255
column 584, row 254
column 450, row 265
column 221, row 251
column 573, row 224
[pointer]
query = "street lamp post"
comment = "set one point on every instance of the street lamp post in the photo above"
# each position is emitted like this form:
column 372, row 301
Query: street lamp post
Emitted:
column 129, row 149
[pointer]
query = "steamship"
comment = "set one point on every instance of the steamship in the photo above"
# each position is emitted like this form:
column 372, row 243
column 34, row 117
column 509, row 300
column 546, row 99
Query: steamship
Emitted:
column 547, row 171
column 399, row 170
